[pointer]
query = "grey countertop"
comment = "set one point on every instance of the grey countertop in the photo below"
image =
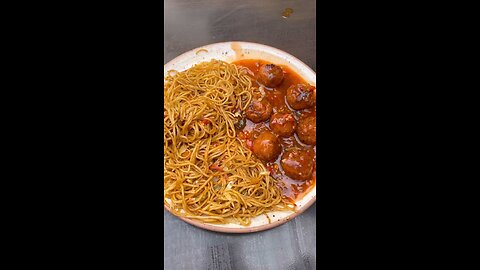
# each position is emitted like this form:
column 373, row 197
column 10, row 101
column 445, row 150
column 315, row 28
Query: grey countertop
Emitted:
column 190, row 24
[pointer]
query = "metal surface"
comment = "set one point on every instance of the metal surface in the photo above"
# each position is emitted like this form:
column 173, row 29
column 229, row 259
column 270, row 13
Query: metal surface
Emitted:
column 190, row 24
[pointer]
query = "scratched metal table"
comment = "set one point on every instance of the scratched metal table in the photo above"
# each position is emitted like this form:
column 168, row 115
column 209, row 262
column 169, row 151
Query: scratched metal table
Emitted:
column 190, row 24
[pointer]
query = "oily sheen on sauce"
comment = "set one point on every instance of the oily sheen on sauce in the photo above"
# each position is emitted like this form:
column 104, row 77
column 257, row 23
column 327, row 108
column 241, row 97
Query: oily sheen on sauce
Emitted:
column 293, row 189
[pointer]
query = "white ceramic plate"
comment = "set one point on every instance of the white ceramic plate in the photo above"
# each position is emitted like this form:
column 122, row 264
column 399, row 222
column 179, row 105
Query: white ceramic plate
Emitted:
column 233, row 51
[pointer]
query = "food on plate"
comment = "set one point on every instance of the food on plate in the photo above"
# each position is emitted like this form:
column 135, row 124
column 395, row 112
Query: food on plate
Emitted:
column 301, row 96
column 283, row 124
column 298, row 163
column 307, row 129
column 270, row 75
column 294, row 129
column 259, row 110
column 266, row 146
column 233, row 148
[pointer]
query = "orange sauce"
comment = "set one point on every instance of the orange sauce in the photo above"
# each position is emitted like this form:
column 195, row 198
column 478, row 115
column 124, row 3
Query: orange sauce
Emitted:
column 237, row 49
column 291, row 188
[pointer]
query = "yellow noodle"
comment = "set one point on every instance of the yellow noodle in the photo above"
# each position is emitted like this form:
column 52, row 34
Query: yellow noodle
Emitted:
column 199, row 120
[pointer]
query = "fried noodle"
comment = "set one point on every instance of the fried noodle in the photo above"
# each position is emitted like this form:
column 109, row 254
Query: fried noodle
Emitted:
column 209, row 175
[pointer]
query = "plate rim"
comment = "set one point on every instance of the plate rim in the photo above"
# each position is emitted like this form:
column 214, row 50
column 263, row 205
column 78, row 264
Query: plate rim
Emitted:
column 264, row 227
column 220, row 229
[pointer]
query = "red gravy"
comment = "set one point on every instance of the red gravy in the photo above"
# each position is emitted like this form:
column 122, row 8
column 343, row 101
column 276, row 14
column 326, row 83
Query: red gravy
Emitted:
column 292, row 189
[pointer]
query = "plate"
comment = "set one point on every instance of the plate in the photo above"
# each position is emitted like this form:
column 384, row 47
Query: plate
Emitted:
column 230, row 52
